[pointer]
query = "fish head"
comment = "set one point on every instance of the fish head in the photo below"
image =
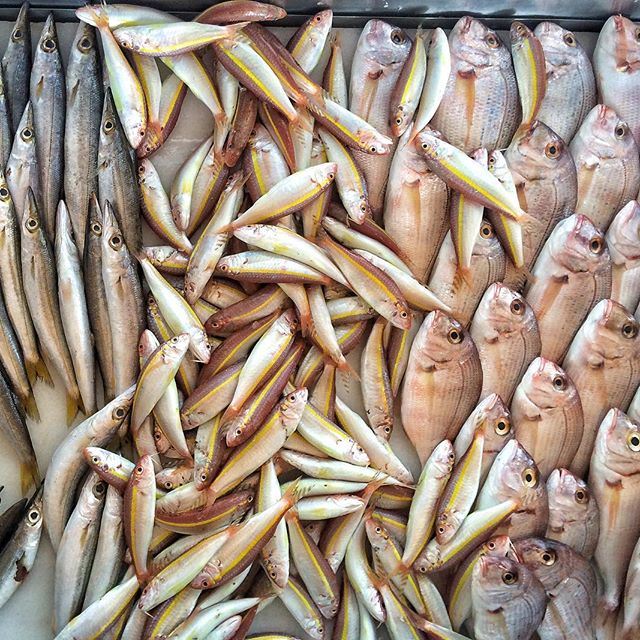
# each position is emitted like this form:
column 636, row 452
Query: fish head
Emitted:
column 561, row 48
column 619, row 40
column 497, row 164
column 499, row 580
column 605, row 135
column 93, row 14
column 34, row 516
column 109, row 123
column 446, row 339
column 287, row 323
column 291, row 408
column 619, row 439
column 48, row 42
column 442, row 460
column 383, row 45
column 112, row 239
column 547, row 386
column 31, row 220
column 378, row 536
column 613, row 331
column 536, row 151
column 569, row 498
column 84, row 42
column 579, row 246
column 494, row 420
column 623, row 235
column 147, row 344
column 143, row 476
column 487, row 243
column 550, row 561
column 514, row 474
column 500, row 547
column 519, row 33
column 472, row 42
column 320, row 26
column 505, row 310
column 174, row 349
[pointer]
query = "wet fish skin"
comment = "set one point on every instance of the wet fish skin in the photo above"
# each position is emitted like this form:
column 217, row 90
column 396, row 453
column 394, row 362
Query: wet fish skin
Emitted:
column 570, row 276
column 569, row 73
column 10, row 519
column 629, row 618
column 623, row 241
column 16, row 66
column 573, row 512
column 613, row 477
column 603, row 362
column 48, row 98
column 84, row 96
column 608, row 165
column 615, row 63
column 6, row 134
column 546, row 413
column 443, row 364
column 505, row 331
column 480, row 105
column 570, row 583
column 507, row 599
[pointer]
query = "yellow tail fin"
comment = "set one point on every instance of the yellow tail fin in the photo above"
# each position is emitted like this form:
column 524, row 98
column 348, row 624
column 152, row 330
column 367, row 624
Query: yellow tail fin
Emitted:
column 38, row 371
column 72, row 409
column 31, row 408
column 29, row 476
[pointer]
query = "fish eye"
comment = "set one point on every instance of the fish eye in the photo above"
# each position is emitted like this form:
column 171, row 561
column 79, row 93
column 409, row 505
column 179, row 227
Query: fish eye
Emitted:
column 120, row 413
column 33, row 516
column 629, row 330
column 502, row 427
column 99, row 489
column 250, row 499
column 520, row 29
column 141, row 169
column 96, row 229
column 491, row 545
column 378, row 530
column 373, row 149
column 320, row 630
column 517, row 307
column 552, row 150
column 115, row 242
column 569, row 39
column 397, row 37
column 238, row 432
column 272, row 575
column 440, row 529
column 451, row 457
column 17, row 34
column 454, row 336
column 633, row 441
column 399, row 120
column 581, row 496
column 492, row 41
column 174, row 340
column 620, row 131
column 85, row 44
column 559, row 383
column 95, row 460
column 596, row 245
column 49, row 45
column 331, row 175
column 292, row 398
column 223, row 267
column 422, row 569
column 4, row 193
column 109, row 125
column 139, row 469
column 404, row 314
column 32, row 224
column 638, row 34
column 509, row 577
column 530, row 477
column 549, row 557
column 492, row 160
column 203, row 477
column 387, row 429
column 26, row 134
column 486, row 230
column 363, row 207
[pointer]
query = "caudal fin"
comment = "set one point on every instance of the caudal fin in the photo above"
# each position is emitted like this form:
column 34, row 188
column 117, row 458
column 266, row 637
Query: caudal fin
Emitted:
column 72, row 409
column 38, row 371
column 31, row 408
column 29, row 476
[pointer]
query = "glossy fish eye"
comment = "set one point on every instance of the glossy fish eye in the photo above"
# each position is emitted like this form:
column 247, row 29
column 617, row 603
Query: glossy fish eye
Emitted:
column 108, row 126
column 32, row 224
column 397, row 37
column 486, row 230
column 454, row 336
column 373, row 149
column 509, row 577
column 33, row 516
column 203, row 477
column 491, row 545
column 85, row 44
column 378, row 530
column 238, row 433
column 4, row 193
column 492, row 41
column 26, row 134
column 596, row 245
column 620, row 131
column 638, row 34
column 331, row 175
column 403, row 314
column 16, row 35
column 549, row 557
column 95, row 459
column 633, row 441
column 559, row 383
column 530, row 477
column 292, row 398
column 223, row 267
column 363, row 207
column 520, row 30
column 99, row 489
column 502, row 427
column 96, row 229
column 168, row 484
column 581, row 496
column 629, row 330
column 139, row 469
column 49, row 45
column 552, row 150
column 569, row 39
column 517, row 307
column 174, row 340
column 120, row 412
column 115, row 242
column 387, row 429
column 399, row 120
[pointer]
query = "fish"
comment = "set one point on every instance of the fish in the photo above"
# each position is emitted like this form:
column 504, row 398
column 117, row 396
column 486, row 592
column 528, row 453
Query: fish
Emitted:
column 613, row 476
column 574, row 517
column 505, row 331
column 10, row 519
column 629, row 617
column 569, row 73
column 623, row 242
column 506, row 596
column 608, row 165
column 241, row 11
column 6, row 135
column 570, row 276
column 514, row 475
column 84, row 96
column 416, row 206
column 545, row 177
column 16, row 66
column 615, row 59
column 380, row 55
column 480, row 105
column 443, row 364
column 334, row 80
column 40, row 285
column 241, row 126
column 18, row 556
column 602, row 361
column 546, row 415
column 488, row 265
column 307, row 43
column 570, row 583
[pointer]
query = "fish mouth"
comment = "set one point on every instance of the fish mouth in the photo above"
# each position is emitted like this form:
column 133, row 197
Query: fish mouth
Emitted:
column 465, row 24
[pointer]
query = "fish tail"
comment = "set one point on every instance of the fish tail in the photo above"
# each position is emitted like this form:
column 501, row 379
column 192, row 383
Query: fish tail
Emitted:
column 371, row 488
column 29, row 475
column 346, row 368
column 38, row 371
column 294, row 492
column 99, row 14
column 72, row 408
column 31, row 408
column 306, row 324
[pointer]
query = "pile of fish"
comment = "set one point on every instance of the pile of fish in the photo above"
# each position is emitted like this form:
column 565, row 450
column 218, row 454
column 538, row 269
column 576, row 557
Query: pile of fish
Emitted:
column 461, row 217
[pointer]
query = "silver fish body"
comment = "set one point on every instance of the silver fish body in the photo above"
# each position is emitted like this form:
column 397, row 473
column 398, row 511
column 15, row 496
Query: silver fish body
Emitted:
column 16, row 66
